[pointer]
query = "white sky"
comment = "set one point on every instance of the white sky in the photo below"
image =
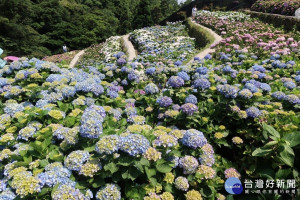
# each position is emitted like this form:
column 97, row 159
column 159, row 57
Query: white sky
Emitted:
column 180, row 1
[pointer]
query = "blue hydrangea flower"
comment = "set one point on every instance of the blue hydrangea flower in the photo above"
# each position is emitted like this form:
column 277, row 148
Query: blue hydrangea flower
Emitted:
column 245, row 93
column 134, row 144
column 251, row 87
column 228, row 91
column 91, row 122
column 278, row 95
column 184, row 76
column 121, row 61
column 178, row 63
column 201, row 83
column 227, row 69
column 193, row 139
column 108, row 144
column 189, row 164
column 207, row 57
column 54, row 175
column 189, row 108
column 293, row 99
column 109, row 192
column 191, row 99
column 259, row 68
column 297, row 79
column 68, row 191
column 76, row 159
column 164, row 101
column 265, row 87
column 8, row 194
column 175, row 82
column 290, row 85
column 253, row 112
column 151, row 88
column 150, row 70
column 202, row 70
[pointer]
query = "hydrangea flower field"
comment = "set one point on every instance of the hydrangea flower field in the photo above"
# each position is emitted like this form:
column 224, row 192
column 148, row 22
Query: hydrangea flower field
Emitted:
column 154, row 128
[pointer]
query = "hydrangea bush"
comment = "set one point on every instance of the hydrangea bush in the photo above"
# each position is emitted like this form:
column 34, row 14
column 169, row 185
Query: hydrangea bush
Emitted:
column 164, row 130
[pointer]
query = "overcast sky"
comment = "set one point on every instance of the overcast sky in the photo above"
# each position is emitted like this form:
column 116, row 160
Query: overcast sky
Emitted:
column 180, row 1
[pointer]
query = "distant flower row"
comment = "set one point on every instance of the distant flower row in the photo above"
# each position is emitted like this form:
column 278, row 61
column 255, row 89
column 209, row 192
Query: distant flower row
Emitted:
column 286, row 7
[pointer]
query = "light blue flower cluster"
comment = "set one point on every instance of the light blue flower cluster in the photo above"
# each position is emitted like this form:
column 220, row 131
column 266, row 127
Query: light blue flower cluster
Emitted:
column 12, row 108
column 66, row 192
column 207, row 157
column 108, row 144
column 109, row 192
column 164, row 101
column 91, row 122
column 201, row 83
column 175, row 82
column 26, row 133
column 253, row 112
column 189, row 108
column 7, row 194
column 228, row 91
column 189, row 164
column 134, row 144
column 193, row 139
column 181, row 183
column 191, row 99
column 151, row 88
column 165, row 141
column 55, row 173
column 245, row 93
column 183, row 75
column 76, row 159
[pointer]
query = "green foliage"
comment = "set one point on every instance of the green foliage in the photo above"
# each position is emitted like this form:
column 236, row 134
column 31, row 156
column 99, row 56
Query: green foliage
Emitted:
column 40, row 28
column 203, row 37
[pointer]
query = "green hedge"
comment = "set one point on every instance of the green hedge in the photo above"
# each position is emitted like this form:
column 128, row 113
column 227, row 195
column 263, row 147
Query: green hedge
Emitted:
column 288, row 22
column 202, row 36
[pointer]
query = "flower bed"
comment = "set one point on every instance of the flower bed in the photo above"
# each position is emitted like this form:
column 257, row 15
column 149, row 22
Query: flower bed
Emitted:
column 163, row 43
column 287, row 7
column 103, row 52
column 65, row 58
column 162, row 131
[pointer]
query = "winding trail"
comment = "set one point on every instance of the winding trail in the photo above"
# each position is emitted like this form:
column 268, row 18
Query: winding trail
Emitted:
column 208, row 50
column 130, row 48
column 75, row 59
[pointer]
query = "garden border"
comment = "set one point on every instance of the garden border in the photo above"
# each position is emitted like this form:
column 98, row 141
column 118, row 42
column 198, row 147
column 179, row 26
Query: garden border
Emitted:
column 288, row 22
column 204, row 36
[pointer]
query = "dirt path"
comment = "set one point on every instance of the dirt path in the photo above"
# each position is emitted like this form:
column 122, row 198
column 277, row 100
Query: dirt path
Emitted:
column 75, row 59
column 208, row 50
column 130, row 48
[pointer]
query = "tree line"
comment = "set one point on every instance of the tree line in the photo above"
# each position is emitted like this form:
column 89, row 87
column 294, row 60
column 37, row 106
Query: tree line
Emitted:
column 41, row 27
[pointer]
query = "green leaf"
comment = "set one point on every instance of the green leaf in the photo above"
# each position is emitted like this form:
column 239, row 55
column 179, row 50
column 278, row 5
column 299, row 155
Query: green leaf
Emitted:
column 271, row 130
column 43, row 163
column 270, row 144
column 44, row 191
column 293, row 138
column 125, row 160
column 163, row 168
column 286, row 155
column 98, row 182
column 112, row 167
column 261, row 152
column 145, row 162
column 206, row 191
column 90, row 149
column 150, row 172
column 283, row 173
